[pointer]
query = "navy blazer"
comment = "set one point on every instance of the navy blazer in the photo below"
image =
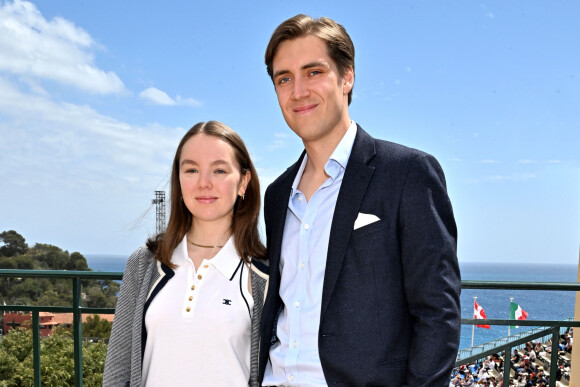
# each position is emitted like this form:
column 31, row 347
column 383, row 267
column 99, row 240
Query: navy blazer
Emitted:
column 390, row 301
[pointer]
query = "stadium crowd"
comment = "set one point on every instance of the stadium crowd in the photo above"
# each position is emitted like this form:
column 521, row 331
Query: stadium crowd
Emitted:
column 530, row 366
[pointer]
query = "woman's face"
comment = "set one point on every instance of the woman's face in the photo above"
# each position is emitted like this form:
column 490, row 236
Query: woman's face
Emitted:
column 210, row 179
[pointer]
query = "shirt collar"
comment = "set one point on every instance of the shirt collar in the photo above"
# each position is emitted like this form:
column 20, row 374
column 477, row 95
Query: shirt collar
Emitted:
column 342, row 151
column 341, row 154
column 226, row 261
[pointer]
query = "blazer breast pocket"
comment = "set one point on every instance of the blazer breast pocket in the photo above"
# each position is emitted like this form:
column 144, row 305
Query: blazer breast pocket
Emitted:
column 370, row 229
column 369, row 239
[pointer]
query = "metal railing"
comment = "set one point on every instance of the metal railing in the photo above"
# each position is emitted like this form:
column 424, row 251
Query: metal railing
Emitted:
column 76, row 309
column 552, row 327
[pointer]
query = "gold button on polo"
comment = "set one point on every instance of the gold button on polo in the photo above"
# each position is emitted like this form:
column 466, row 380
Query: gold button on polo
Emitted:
column 193, row 287
column 199, row 276
column 190, row 298
column 206, row 266
column 188, row 308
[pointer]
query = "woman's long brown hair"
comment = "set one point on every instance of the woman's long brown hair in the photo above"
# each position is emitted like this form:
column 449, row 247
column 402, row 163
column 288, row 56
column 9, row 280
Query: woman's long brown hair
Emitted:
column 245, row 219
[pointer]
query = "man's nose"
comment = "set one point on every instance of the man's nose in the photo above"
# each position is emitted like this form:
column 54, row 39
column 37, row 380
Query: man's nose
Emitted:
column 299, row 89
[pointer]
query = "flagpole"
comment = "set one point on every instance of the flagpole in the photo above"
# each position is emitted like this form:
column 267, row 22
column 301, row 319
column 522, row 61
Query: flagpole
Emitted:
column 509, row 315
column 473, row 326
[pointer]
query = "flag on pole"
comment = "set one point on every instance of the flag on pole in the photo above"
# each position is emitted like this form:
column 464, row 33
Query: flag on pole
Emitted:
column 479, row 314
column 517, row 313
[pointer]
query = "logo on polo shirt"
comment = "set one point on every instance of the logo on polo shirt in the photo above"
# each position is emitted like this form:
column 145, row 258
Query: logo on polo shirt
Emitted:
column 227, row 302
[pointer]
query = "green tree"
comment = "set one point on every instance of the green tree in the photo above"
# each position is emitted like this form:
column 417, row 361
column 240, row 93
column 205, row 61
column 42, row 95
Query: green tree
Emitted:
column 56, row 360
column 97, row 327
column 50, row 257
column 77, row 262
column 12, row 243
column 49, row 292
column 8, row 263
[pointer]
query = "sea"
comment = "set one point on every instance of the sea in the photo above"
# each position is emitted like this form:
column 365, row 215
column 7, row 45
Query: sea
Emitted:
column 540, row 305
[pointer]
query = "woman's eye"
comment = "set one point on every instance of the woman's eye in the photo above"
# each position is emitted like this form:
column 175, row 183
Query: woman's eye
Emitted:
column 191, row 170
column 220, row 171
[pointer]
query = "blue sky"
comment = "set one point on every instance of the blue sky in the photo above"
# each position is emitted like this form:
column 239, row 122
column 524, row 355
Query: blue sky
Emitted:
column 94, row 97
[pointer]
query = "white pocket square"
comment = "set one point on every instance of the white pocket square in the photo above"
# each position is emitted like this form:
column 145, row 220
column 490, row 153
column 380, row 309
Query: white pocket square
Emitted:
column 364, row 220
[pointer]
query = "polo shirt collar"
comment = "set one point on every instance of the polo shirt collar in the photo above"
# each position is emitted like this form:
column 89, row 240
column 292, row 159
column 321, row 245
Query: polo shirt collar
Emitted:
column 226, row 261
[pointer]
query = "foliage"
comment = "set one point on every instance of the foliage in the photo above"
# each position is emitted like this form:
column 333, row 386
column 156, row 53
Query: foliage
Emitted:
column 97, row 327
column 56, row 360
column 11, row 244
column 15, row 254
column 56, row 351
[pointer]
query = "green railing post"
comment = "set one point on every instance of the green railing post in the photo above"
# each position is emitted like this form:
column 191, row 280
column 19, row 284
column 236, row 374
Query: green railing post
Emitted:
column 507, row 366
column 36, row 348
column 554, row 357
column 78, row 332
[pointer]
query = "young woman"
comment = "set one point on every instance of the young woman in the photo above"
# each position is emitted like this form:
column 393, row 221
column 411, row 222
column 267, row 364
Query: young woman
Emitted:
column 191, row 300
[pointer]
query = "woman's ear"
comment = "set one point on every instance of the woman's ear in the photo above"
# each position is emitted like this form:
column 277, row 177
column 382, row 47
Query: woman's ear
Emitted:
column 245, row 180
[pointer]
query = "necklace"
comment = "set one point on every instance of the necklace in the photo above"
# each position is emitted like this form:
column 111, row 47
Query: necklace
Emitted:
column 204, row 246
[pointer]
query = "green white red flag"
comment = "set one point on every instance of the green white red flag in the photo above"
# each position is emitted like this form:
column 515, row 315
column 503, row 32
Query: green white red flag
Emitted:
column 517, row 313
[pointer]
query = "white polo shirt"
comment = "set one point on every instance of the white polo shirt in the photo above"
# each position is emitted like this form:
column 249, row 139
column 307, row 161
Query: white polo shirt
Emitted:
column 199, row 324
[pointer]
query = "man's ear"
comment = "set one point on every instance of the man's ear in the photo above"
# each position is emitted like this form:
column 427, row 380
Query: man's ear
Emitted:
column 348, row 80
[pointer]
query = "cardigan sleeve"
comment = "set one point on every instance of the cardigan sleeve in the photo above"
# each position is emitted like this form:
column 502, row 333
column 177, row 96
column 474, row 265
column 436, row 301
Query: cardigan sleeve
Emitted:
column 118, row 361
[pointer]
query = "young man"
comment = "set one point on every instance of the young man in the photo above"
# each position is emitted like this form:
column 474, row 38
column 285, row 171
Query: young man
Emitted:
column 364, row 285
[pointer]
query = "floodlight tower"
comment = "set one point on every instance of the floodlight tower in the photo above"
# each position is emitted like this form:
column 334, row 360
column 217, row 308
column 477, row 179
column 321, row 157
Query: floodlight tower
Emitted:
column 159, row 202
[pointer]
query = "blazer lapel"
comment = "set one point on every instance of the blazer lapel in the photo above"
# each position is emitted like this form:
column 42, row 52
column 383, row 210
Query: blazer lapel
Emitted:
column 354, row 185
column 277, row 218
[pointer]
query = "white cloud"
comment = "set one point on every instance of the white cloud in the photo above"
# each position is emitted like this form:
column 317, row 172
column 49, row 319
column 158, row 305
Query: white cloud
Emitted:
column 526, row 161
column 156, row 96
column 489, row 161
column 159, row 97
column 512, row 177
column 56, row 50
column 554, row 161
column 280, row 141
column 70, row 144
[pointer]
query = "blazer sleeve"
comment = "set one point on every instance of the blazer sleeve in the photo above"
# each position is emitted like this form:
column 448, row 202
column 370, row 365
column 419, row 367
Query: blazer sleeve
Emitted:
column 118, row 361
column 428, row 237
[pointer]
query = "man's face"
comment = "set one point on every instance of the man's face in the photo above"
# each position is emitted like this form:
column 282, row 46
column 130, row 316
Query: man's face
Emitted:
column 313, row 96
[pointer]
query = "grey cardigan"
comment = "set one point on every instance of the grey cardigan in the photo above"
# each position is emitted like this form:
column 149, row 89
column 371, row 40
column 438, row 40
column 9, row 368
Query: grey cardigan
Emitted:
column 143, row 279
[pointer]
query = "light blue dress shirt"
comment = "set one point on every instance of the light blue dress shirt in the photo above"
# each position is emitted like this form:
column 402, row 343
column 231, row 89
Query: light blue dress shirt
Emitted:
column 294, row 359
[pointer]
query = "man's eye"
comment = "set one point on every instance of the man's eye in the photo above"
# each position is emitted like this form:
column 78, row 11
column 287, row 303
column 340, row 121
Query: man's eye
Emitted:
column 314, row 72
column 220, row 171
column 283, row 80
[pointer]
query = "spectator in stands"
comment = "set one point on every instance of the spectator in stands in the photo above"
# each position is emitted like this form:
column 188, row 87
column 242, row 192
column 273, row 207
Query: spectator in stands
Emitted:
column 532, row 354
column 455, row 382
column 569, row 344
column 517, row 358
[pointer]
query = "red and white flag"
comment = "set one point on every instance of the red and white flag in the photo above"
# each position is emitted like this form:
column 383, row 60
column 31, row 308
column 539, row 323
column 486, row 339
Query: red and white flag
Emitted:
column 479, row 314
